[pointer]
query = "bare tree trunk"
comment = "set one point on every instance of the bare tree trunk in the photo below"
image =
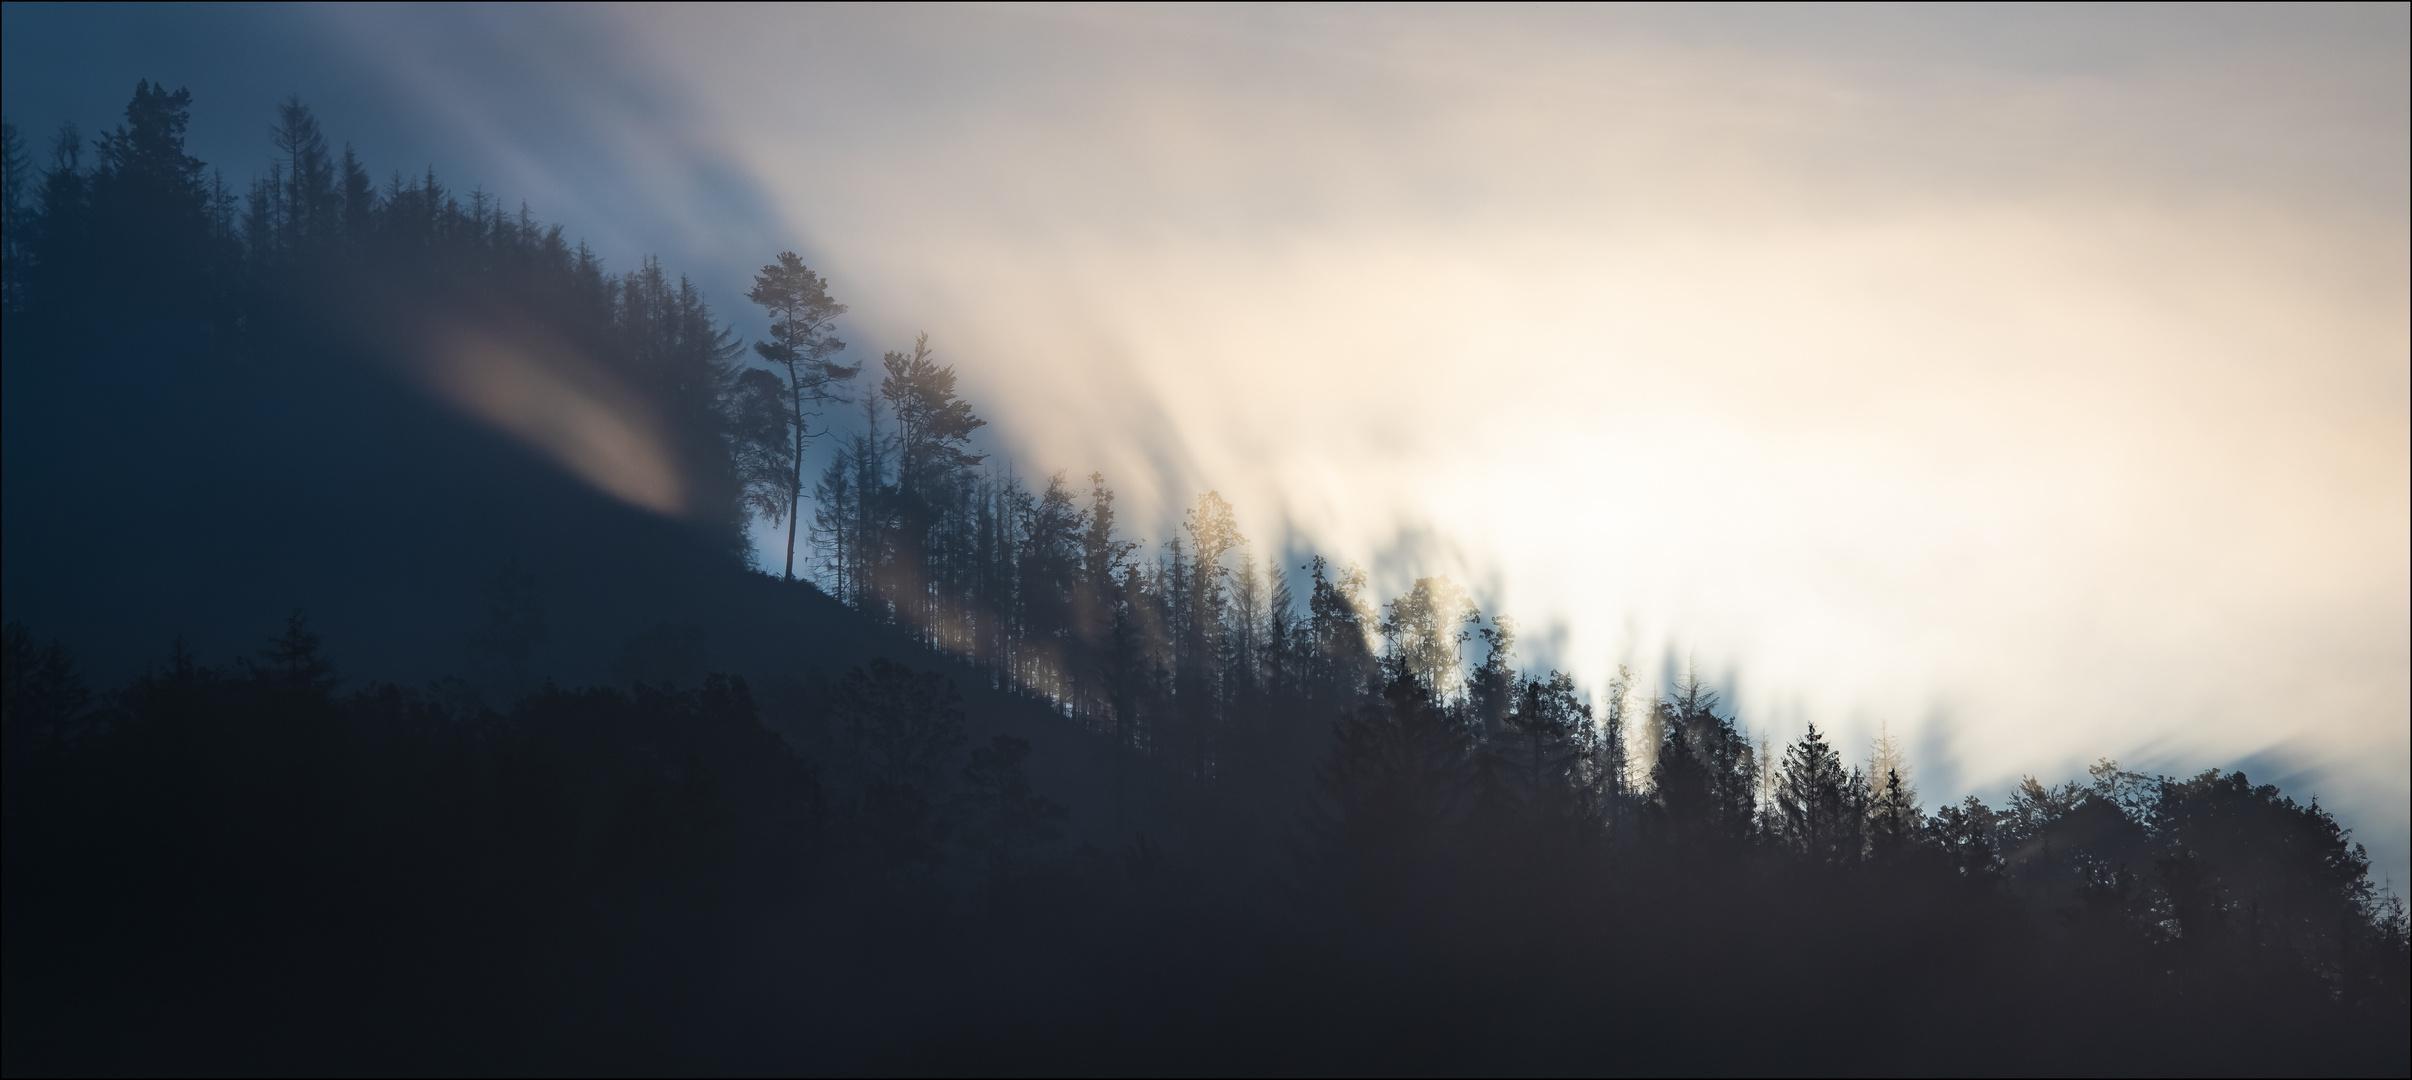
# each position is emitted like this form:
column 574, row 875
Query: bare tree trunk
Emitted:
column 795, row 500
column 795, row 480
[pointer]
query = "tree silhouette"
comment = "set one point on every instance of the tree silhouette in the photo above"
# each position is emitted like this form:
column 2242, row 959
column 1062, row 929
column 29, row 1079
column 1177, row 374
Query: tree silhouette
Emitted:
column 1336, row 626
column 802, row 341
column 1276, row 848
column 16, row 180
column 1426, row 631
column 1821, row 808
column 932, row 428
column 308, row 204
column 296, row 659
column 1539, row 778
column 1704, row 774
column 1393, row 795
column 1893, row 818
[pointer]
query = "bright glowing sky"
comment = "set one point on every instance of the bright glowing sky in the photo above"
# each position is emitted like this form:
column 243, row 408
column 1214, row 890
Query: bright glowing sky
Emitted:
column 2034, row 380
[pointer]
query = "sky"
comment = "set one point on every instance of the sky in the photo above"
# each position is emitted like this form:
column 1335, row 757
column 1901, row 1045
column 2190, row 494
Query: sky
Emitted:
column 2032, row 382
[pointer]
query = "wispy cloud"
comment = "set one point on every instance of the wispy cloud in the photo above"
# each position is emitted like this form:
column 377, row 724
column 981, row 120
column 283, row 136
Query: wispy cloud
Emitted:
column 2038, row 372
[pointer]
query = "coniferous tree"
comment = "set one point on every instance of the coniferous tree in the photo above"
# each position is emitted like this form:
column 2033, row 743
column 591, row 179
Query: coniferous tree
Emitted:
column 1612, row 769
column 1491, row 686
column 148, row 204
column 1426, row 633
column 803, row 340
column 1283, row 650
column 1894, row 822
column 1704, row 775
column 1049, row 569
column 16, row 181
column 1964, row 836
column 1099, row 612
column 933, row 427
column 1393, row 797
column 1451, row 825
column 727, row 420
column 358, row 195
column 297, row 659
column 1201, row 618
column 309, row 204
column 836, row 516
column 44, row 703
column 1821, row 807
column 868, row 534
column 1885, row 759
column 1342, row 656
column 58, row 241
column 1244, row 640
column 1538, row 763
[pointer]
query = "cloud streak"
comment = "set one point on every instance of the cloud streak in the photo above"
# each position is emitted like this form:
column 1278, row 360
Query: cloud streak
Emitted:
column 2040, row 377
column 541, row 391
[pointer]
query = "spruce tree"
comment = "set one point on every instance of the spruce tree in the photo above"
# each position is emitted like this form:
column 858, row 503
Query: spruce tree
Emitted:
column 1821, row 806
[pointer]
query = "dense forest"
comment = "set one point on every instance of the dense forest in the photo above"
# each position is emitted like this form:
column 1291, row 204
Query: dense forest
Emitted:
column 972, row 780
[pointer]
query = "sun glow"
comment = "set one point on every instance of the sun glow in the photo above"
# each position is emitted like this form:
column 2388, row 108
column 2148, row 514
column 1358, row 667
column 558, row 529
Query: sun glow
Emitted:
column 2042, row 402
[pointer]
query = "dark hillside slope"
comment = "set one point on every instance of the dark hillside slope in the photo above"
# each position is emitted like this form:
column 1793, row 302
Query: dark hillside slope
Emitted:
column 156, row 493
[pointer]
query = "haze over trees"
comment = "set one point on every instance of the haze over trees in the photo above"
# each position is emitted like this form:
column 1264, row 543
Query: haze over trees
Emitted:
column 1284, row 832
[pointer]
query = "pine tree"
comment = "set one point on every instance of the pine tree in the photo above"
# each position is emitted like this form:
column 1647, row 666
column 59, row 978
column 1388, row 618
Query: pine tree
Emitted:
column 802, row 341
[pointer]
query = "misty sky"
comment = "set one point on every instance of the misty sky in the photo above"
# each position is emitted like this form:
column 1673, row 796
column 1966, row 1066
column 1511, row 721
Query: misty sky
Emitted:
column 2033, row 381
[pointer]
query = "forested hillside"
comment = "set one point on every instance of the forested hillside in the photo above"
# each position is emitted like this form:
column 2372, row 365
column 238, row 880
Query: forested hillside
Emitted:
column 390, row 686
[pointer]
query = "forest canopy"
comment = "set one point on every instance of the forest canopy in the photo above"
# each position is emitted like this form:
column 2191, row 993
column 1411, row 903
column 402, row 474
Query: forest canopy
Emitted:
column 1320, row 831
